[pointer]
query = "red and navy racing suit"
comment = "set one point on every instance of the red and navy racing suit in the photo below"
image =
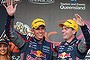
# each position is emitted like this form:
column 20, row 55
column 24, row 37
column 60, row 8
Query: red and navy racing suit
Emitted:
column 76, row 49
column 30, row 50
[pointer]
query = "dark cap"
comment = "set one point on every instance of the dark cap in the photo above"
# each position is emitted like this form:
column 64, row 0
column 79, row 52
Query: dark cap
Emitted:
column 4, row 41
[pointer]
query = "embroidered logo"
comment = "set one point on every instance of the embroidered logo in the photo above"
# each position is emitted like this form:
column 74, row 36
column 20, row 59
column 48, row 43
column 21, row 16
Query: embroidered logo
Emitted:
column 63, row 55
column 36, row 55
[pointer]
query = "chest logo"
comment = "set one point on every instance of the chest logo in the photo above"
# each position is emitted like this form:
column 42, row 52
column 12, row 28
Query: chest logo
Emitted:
column 63, row 55
column 38, row 54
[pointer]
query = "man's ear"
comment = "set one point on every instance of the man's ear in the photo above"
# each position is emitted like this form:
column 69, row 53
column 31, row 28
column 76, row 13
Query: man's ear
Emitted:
column 74, row 31
column 32, row 31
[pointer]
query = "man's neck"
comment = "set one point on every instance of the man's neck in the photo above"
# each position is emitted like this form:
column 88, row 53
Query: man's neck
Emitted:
column 39, row 41
column 70, row 39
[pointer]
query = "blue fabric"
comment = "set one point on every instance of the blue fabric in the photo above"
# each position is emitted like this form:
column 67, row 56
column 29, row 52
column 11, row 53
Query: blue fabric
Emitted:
column 69, row 51
column 30, row 50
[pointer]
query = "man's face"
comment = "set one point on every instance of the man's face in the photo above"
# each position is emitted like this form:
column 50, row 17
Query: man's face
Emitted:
column 67, row 33
column 39, row 32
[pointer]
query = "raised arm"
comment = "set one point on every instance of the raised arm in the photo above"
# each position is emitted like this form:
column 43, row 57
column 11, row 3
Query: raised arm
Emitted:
column 85, row 32
column 84, row 28
column 9, row 27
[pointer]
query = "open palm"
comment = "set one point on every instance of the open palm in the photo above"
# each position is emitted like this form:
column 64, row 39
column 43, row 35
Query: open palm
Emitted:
column 78, row 20
column 10, row 8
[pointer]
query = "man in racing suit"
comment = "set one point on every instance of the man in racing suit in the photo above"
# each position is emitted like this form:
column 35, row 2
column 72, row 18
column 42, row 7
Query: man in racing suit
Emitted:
column 36, row 48
column 72, row 48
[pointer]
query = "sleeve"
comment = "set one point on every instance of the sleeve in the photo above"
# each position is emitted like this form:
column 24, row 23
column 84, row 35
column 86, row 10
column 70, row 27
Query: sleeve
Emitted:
column 86, row 33
column 82, row 47
column 54, row 55
column 56, row 47
column 11, row 33
column 83, row 44
column 80, row 53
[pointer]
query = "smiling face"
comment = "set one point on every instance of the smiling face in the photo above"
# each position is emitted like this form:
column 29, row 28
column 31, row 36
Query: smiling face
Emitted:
column 39, row 32
column 3, row 49
column 68, row 33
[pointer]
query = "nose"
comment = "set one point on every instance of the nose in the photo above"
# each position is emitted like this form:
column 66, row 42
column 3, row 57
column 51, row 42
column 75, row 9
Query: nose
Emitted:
column 41, row 31
column 63, row 30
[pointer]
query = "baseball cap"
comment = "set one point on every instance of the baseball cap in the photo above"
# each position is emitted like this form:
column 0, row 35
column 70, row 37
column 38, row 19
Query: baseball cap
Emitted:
column 37, row 22
column 4, row 41
column 70, row 23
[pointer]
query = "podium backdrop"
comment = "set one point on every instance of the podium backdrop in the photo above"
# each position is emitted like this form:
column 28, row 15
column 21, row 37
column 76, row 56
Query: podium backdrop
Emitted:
column 52, row 11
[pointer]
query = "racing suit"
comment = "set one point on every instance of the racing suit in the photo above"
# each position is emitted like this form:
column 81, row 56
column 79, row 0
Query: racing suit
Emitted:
column 76, row 49
column 30, row 50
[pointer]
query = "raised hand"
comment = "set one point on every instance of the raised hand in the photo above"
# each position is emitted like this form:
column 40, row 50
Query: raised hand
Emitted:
column 10, row 8
column 79, row 20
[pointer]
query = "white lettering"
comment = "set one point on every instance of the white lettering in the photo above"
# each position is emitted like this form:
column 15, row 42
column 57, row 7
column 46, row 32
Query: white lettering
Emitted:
column 74, row 6
column 41, row 1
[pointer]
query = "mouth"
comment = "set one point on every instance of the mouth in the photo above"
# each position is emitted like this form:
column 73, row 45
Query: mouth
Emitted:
column 40, row 34
column 3, row 51
column 63, row 34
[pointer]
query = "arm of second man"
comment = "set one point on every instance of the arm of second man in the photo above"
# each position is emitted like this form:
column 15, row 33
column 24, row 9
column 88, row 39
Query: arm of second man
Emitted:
column 86, row 33
column 84, row 45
